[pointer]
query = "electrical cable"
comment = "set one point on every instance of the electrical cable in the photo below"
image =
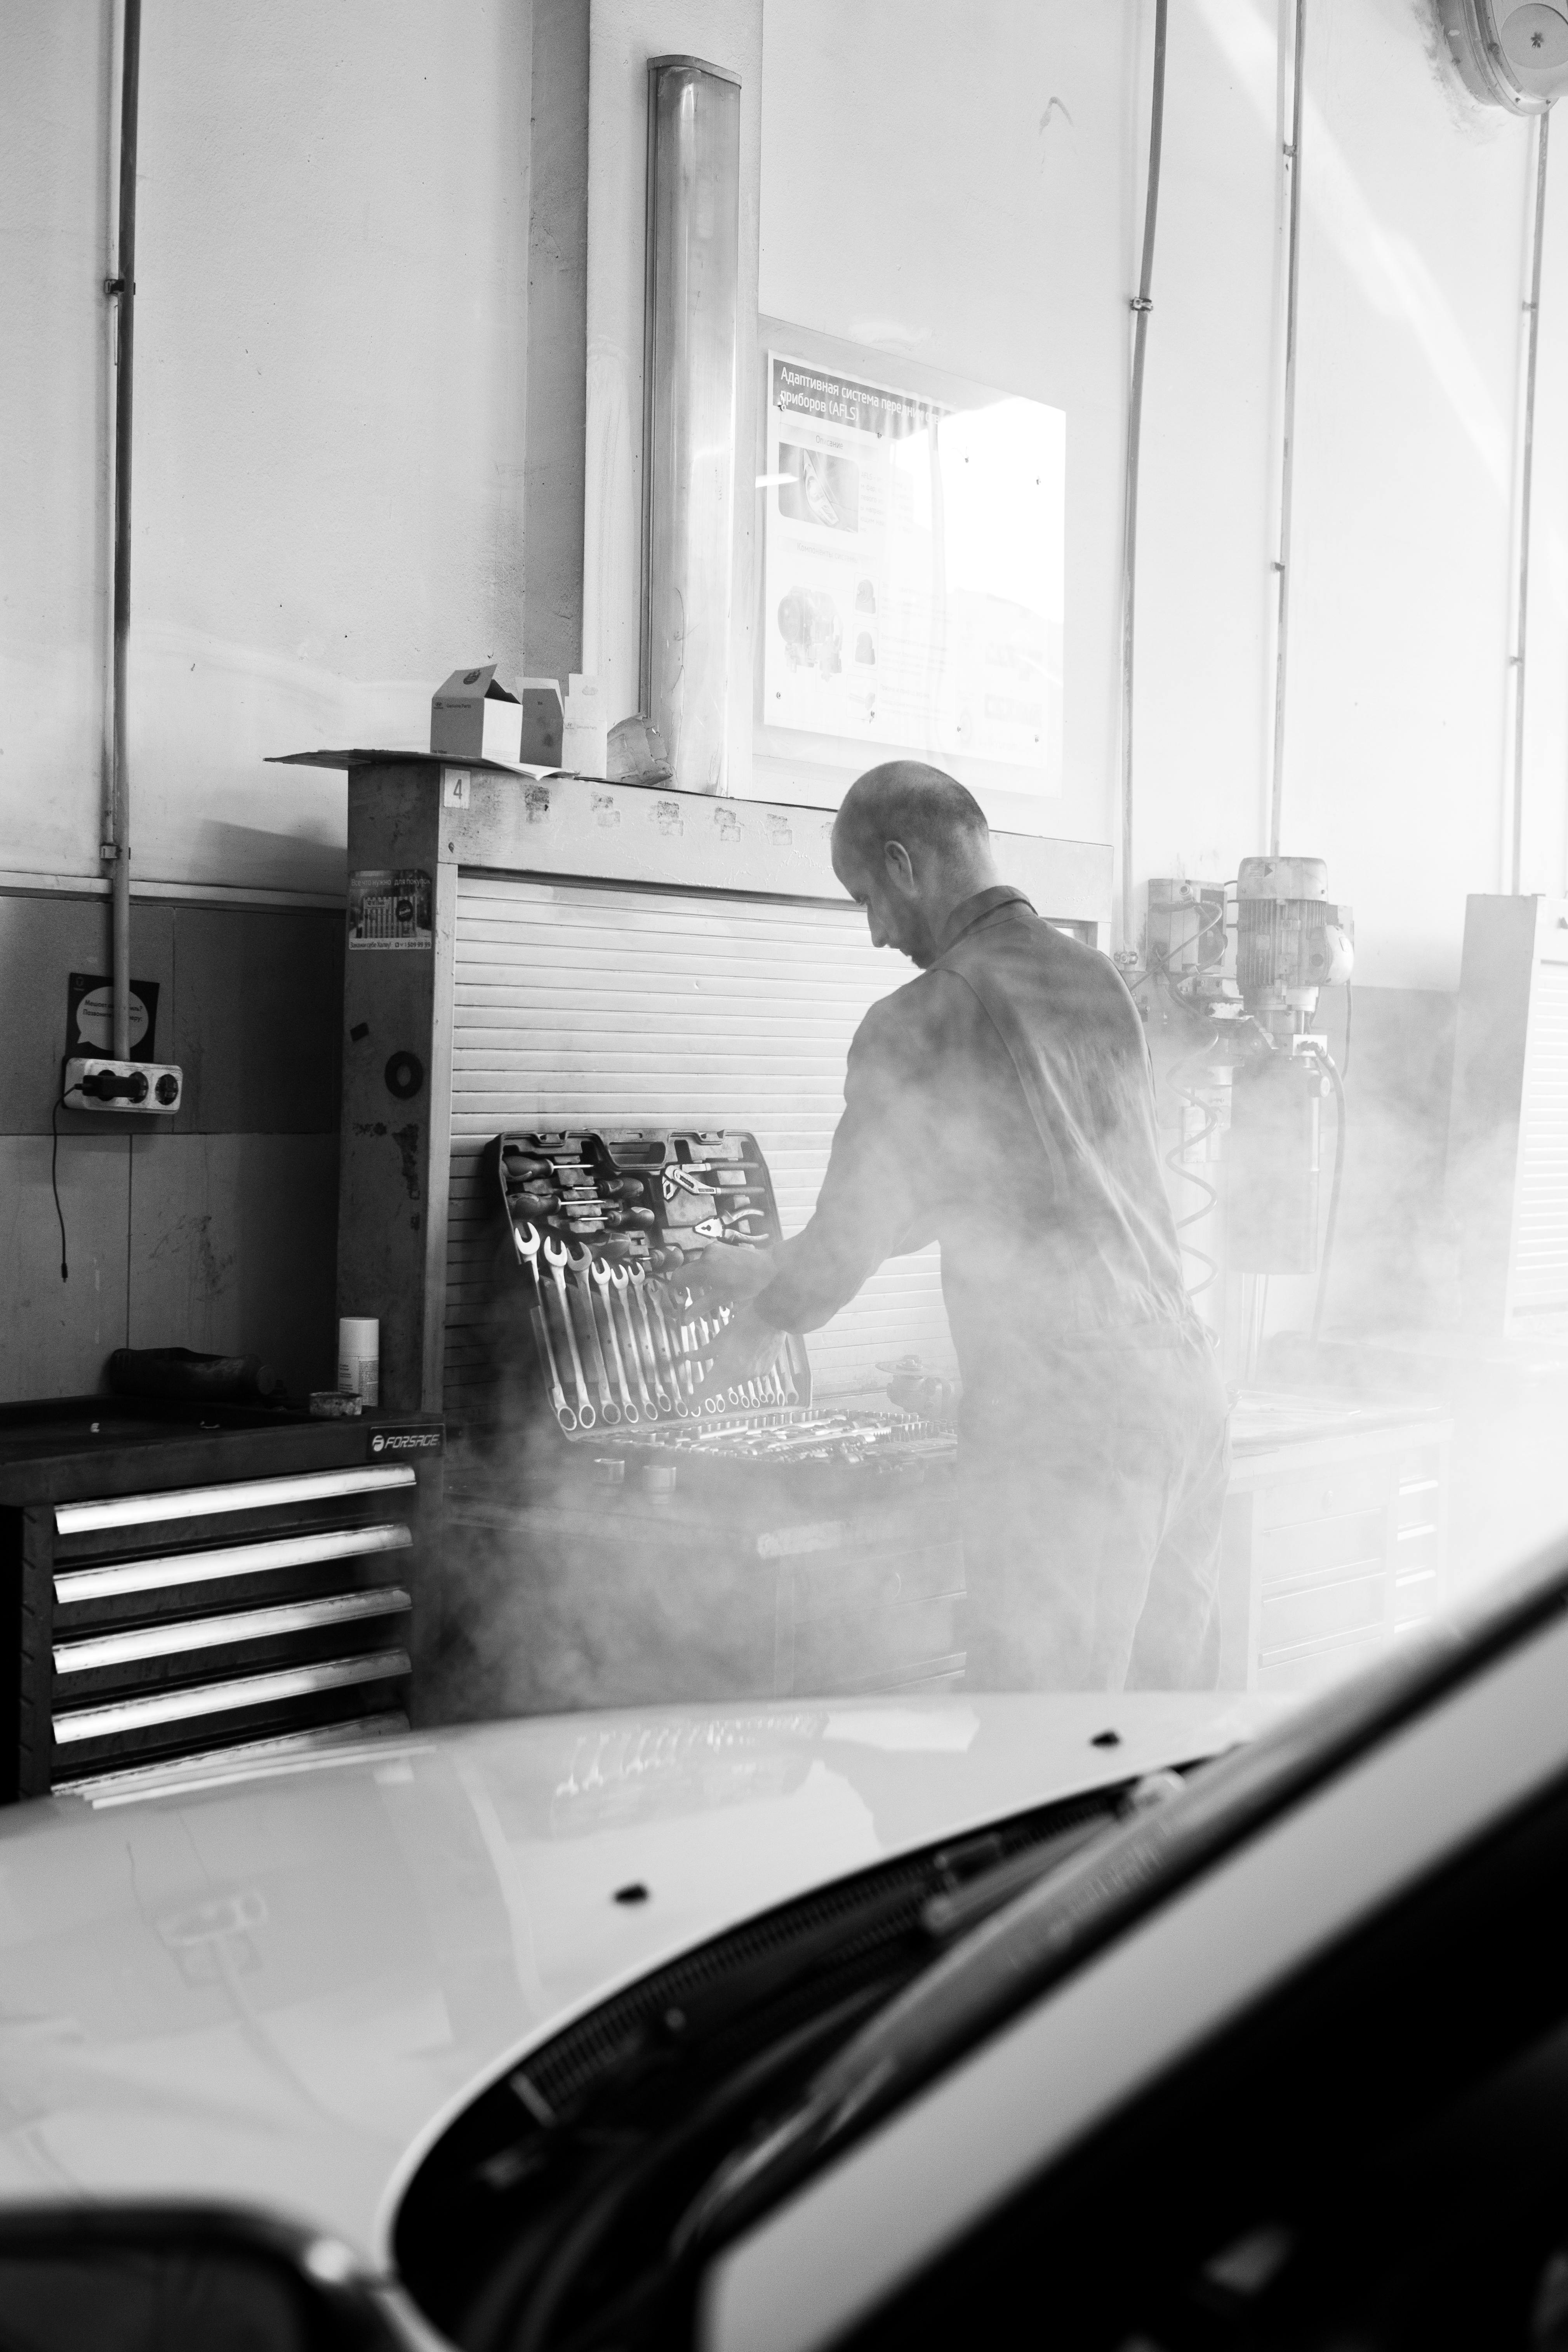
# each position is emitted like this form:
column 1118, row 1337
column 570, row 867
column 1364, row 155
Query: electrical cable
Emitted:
column 1177, row 1162
column 1350, row 1010
column 54, row 1180
column 1321, row 1301
column 1142, row 305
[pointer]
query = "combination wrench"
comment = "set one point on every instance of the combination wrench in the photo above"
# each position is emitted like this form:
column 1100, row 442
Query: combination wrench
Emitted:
column 556, row 1257
column 604, row 1280
column 529, row 1241
column 580, row 1265
column 638, row 1280
column 672, row 1378
column 620, row 1285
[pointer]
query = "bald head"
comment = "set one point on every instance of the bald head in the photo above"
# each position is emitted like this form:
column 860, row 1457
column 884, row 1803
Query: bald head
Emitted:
column 909, row 844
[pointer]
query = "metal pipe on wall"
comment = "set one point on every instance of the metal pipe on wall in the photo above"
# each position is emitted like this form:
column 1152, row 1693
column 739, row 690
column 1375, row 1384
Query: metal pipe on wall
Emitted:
column 121, row 288
column 1287, row 435
column 1142, row 304
column 1527, row 466
column 688, row 442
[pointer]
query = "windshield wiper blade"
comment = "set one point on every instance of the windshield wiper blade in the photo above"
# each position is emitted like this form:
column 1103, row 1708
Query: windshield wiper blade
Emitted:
column 999, row 1922
column 959, row 1908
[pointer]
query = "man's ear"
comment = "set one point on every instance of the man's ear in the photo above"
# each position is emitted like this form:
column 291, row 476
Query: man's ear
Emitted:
column 900, row 868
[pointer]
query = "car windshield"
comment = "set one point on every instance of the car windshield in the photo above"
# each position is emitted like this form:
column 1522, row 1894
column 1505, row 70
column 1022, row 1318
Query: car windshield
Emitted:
column 1019, row 1950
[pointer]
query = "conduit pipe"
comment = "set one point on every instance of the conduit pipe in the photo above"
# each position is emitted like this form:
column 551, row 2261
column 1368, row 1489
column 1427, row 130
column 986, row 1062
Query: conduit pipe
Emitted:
column 121, row 288
column 1142, row 305
column 1288, row 432
column 1542, row 125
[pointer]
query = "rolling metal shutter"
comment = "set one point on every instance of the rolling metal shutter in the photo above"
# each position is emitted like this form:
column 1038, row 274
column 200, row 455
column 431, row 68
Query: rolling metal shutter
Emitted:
column 622, row 1006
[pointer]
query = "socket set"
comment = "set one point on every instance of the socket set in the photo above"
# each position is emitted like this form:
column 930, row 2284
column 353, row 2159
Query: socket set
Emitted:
column 787, row 1439
column 606, row 1225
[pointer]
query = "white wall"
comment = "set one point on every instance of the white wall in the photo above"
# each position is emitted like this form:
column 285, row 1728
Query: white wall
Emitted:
column 950, row 212
column 331, row 329
column 55, row 64
column 331, row 382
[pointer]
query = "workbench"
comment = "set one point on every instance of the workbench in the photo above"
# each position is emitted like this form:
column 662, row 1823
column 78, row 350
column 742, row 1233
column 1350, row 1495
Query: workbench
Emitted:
column 561, row 1593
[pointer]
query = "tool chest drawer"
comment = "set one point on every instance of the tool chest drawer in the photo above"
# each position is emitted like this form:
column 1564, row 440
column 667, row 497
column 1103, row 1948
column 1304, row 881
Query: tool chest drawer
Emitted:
column 157, row 1616
column 1333, row 1491
column 1338, row 1540
column 1334, row 1540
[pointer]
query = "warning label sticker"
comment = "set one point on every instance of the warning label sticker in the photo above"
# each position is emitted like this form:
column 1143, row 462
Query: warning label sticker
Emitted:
column 390, row 909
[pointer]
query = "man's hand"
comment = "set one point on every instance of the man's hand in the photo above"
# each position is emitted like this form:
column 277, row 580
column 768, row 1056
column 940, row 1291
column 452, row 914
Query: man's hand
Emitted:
column 727, row 1277
column 745, row 1350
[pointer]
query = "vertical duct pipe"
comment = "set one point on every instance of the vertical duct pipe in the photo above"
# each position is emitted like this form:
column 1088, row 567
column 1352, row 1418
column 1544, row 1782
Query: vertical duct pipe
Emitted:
column 1287, row 434
column 688, row 441
column 122, row 288
column 1527, row 468
column 1142, row 304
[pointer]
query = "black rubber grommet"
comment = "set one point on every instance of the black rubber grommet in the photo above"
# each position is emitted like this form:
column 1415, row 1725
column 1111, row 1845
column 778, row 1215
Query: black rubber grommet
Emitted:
column 404, row 1075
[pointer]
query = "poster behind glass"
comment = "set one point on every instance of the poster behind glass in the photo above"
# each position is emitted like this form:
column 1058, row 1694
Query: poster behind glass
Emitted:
column 913, row 572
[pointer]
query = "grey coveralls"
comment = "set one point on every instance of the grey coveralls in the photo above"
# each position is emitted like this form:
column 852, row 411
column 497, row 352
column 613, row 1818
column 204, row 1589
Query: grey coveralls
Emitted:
column 1001, row 1104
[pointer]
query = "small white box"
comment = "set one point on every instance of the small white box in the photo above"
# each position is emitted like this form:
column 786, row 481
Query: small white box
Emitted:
column 472, row 717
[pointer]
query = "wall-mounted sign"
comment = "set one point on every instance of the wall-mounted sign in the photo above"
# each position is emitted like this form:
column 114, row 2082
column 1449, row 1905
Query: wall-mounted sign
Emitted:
column 89, row 1016
column 390, row 909
column 914, row 570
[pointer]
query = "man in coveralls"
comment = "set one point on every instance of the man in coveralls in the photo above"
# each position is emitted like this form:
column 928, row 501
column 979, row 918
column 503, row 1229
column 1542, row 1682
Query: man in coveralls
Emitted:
column 1001, row 1104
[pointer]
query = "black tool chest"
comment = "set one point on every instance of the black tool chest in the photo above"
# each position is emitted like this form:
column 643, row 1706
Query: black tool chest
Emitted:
column 180, row 1582
column 688, row 1545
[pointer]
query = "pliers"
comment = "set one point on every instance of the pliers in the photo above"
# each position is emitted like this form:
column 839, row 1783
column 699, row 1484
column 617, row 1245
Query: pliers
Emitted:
column 719, row 1229
column 684, row 1176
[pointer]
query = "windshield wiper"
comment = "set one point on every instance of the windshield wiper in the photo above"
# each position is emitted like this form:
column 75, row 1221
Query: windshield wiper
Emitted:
column 1012, row 1957
column 954, row 1912
column 865, row 2072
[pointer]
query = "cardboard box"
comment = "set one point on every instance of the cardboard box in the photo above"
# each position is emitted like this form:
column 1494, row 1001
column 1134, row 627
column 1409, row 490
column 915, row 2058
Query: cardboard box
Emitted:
column 472, row 717
column 543, row 722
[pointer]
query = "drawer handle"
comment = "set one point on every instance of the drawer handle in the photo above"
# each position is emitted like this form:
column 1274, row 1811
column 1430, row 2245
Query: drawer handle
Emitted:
column 173, row 1637
column 243, row 1495
column 178, row 1568
column 221, row 1698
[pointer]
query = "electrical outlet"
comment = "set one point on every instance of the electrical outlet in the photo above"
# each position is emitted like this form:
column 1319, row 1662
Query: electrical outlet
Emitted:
column 144, row 1089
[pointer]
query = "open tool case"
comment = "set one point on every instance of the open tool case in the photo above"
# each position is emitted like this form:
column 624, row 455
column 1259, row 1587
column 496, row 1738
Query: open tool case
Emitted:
column 605, row 1223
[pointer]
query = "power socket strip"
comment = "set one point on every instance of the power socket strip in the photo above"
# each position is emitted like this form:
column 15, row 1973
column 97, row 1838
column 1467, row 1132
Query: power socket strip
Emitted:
column 140, row 1089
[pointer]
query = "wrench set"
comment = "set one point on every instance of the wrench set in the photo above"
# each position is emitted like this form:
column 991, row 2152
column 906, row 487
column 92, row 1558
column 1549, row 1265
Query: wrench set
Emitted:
column 606, row 1225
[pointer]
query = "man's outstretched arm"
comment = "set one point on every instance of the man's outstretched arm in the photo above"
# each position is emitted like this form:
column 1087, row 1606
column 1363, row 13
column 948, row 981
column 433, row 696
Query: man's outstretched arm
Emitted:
column 874, row 1201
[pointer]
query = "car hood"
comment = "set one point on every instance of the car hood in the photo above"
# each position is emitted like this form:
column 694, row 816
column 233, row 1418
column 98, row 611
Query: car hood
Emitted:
column 276, row 1982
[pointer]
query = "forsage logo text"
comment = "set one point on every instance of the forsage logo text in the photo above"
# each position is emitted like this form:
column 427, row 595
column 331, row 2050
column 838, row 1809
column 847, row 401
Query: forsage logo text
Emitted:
column 406, row 1441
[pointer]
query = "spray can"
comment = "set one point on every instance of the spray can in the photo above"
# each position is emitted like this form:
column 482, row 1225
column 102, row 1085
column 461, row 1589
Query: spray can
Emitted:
column 359, row 1355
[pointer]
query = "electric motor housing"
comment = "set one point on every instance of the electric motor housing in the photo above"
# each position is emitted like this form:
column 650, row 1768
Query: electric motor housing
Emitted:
column 1291, row 940
column 1508, row 53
